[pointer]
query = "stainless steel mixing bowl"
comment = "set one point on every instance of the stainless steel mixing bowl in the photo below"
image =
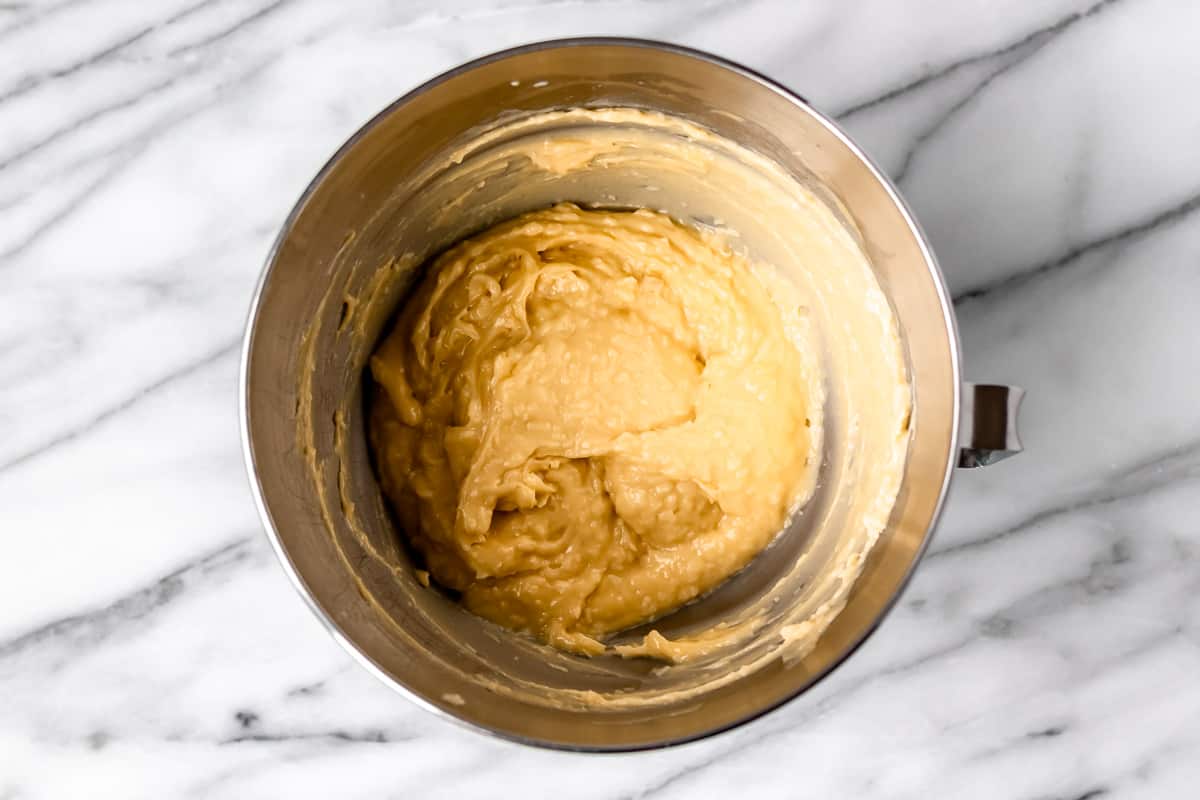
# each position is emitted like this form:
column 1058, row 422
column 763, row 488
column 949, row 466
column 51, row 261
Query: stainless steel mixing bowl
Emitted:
column 334, row 274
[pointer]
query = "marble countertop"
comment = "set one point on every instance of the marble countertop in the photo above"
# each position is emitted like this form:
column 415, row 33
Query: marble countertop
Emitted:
column 150, row 645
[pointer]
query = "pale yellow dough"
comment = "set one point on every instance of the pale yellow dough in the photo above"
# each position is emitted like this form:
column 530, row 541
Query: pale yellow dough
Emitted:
column 590, row 418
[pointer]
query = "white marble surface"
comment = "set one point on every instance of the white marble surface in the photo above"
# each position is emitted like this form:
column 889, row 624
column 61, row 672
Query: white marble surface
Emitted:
column 149, row 643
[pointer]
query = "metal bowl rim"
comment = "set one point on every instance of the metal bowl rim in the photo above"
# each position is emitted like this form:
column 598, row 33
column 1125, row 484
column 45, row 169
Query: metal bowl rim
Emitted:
column 256, row 487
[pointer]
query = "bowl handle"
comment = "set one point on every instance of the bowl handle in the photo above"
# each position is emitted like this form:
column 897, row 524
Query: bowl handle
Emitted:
column 988, row 424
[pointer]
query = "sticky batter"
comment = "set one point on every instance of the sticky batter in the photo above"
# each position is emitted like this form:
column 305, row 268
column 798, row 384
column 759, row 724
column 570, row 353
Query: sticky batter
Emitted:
column 589, row 418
